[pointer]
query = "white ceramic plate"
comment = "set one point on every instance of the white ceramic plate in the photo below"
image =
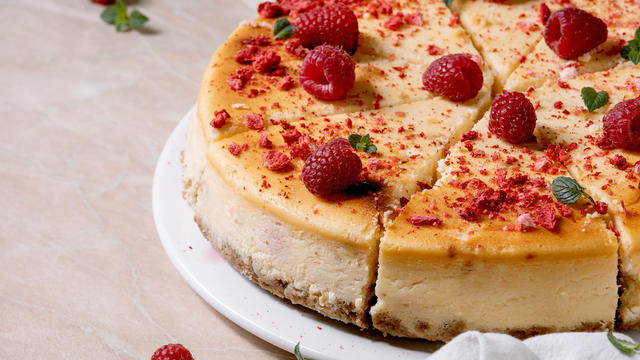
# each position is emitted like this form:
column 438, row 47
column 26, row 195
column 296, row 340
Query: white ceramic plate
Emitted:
column 246, row 304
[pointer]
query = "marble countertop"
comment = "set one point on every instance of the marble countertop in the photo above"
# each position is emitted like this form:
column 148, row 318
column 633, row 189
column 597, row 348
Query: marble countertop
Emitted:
column 84, row 114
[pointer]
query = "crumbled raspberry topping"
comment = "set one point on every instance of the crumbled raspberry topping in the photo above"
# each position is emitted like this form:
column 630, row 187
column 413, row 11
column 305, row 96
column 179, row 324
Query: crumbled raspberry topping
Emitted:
column 291, row 136
column 275, row 160
column 240, row 78
column 234, row 148
column 265, row 61
column 424, row 220
column 469, row 135
column 456, row 77
column 414, row 19
column 545, row 216
column 394, row 22
column 264, row 141
column 270, row 10
column 285, row 83
column 601, row 207
column 254, row 121
column 219, row 118
column 544, row 13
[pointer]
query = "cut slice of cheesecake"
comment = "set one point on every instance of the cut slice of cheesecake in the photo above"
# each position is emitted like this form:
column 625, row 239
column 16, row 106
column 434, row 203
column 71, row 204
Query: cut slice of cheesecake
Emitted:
column 489, row 249
column 543, row 65
column 389, row 67
column 504, row 32
column 612, row 176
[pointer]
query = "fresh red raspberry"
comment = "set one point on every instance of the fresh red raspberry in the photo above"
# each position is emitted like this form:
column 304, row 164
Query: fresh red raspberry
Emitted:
column 285, row 83
column 264, row 141
column 275, row 160
column 172, row 352
column 621, row 125
column 270, row 10
column 331, row 168
column 240, row 78
column 247, row 54
column 571, row 32
column 104, row 2
column 333, row 24
column 512, row 117
column 294, row 47
column 291, row 136
column 457, row 77
column 327, row 73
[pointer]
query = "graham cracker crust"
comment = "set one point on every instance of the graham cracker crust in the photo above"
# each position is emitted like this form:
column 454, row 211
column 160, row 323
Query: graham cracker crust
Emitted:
column 450, row 329
column 339, row 310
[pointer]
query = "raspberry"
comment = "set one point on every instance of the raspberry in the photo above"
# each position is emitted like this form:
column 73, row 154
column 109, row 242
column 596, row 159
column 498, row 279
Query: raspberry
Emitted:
column 333, row 24
column 601, row 207
column 456, row 77
column 621, row 125
column 254, row 121
column 544, row 13
column 331, row 168
column 512, row 117
column 424, row 220
column 545, row 216
column 572, row 32
column 327, row 73
column 246, row 55
column 270, row 10
column 264, row 141
column 172, row 352
column 285, row 83
column 294, row 47
column 291, row 136
column 104, row 2
column 265, row 61
column 219, row 118
column 275, row 160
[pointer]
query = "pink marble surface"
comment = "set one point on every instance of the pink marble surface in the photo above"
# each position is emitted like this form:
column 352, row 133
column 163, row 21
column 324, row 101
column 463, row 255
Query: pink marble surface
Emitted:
column 84, row 114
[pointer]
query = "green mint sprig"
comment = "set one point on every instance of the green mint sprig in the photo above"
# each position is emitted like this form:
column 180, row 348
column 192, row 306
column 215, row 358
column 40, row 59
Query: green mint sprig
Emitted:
column 568, row 191
column 632, row 50
column 623, row 345
column 447, row 2
column 363, row 143
column 296, row 352
column 282, row 29
column 594, row 100
column 117, row 15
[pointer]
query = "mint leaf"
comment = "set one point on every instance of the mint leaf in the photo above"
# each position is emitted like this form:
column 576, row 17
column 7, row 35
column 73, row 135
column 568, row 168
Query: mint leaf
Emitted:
column 632, row 50
column 447, row 2
column 117, row 15
column 566, row 190
column 296, row 352
column 594, row 100
column 137, row 19
column 625, row 346
column 363, row 143
column 282, row 29
column 109, row 15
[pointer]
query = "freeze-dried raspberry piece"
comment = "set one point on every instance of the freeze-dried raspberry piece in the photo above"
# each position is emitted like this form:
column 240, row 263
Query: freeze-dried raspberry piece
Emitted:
column 601, row 207
column 414, row 19
column 275, row 160
column 512, row 117
column 545, row 216
column 266, row 61
column 621, row 125
column 334, row 24
column 254, row 121
column 294, row 47
column 394, row 22
column 264, row 141
column 327, row 73
column 234, row 148
column 331, row 168
column 619, row 161
column 424, row 220
column 270, row 10
column 571, row 32
column 456, row 77
column 291, row 136
column 469, row 135
column 240, row 78
column 246, row 55
column 219, row 118
column 285, row 83
column 525, row 222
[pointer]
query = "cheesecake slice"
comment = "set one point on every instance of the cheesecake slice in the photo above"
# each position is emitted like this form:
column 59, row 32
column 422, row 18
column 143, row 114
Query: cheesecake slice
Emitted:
column 543, row 65
column 489, row 249
column 390, row 61
column 612, row 175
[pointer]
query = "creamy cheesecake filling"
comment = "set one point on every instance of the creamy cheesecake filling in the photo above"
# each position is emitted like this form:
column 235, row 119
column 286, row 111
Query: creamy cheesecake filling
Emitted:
column 331, row 277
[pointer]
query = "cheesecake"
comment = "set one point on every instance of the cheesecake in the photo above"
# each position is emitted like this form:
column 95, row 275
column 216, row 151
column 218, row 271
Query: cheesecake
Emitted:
column 448, row 226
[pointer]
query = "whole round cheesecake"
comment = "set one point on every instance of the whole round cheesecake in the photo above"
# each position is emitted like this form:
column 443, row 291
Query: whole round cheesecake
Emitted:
column 357, row 158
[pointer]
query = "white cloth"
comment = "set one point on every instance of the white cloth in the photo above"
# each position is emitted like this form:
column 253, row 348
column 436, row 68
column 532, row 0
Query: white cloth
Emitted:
column 473, row 345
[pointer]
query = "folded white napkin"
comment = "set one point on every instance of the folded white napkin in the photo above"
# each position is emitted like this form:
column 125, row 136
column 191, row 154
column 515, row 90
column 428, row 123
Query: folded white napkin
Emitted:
column 473, row 345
